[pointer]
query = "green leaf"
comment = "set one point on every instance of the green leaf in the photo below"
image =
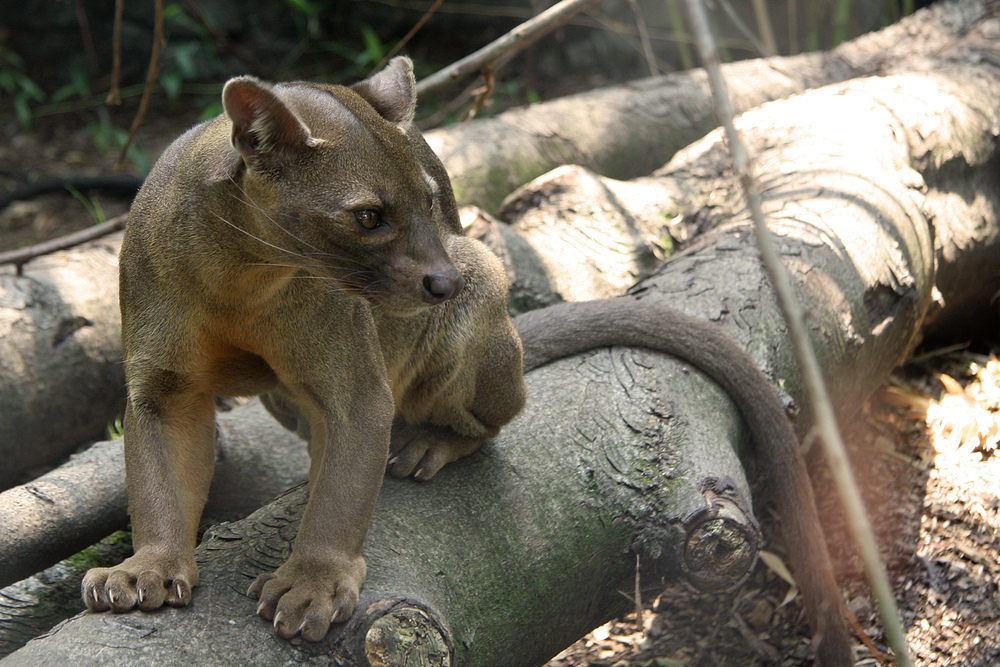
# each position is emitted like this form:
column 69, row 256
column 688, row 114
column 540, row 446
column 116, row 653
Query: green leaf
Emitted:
column 171, row 83
column 210, row 111
column 22, row 110
column 373, row 45
column 8, row 80
column 172, row 10
column 30, row 89
column 185, row 58
column 78, row 85
column 93, row 207
column 11, row 58
column 304, row 7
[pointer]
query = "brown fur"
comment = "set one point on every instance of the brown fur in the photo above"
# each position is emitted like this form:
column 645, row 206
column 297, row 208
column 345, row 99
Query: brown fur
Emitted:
column 247, row 267
column 245, row 270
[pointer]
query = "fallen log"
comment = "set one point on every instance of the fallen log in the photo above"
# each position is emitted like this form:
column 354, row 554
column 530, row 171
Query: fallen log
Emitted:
column 77, row 504
column 629, row 130
column 619, row 448
column 61, row 376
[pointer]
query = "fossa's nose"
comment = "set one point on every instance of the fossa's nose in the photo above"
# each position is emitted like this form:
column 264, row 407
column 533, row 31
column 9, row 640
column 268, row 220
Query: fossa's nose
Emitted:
column 440, row 286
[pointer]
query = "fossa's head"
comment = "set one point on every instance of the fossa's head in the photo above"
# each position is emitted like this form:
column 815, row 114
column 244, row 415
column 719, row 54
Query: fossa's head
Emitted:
column 338, row 185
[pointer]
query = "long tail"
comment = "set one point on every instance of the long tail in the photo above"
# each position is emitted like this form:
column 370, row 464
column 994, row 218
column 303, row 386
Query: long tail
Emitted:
column 569, row 328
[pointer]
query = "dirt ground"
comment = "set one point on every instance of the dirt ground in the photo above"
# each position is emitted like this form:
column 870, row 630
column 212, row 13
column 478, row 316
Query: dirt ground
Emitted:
column 931, row 486
column 932, row 495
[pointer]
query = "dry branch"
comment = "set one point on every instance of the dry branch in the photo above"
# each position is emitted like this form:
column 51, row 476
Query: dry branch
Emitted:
column 518, row 38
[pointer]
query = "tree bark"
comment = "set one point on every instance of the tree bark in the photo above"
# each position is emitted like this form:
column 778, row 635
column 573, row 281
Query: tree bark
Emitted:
column 61, row 376
column 618, row 448
column 629, row 130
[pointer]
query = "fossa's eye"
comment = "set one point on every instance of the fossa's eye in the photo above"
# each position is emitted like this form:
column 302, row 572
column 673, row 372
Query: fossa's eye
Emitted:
column 368, row 218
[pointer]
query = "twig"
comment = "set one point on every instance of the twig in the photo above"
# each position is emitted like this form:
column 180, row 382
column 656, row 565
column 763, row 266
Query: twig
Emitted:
column 88, row 39
column 638, row 597
column 451, row 106
column 413, row 31
column 492, row 10
column 151, row 76
column 880, row 657
column 114, row 95
column 482, row 94
column 804, row 353
column 760, row 47
column 647, row 48
column 764, row 26
column 677, row 21
column 517, row 38
column 22, row 256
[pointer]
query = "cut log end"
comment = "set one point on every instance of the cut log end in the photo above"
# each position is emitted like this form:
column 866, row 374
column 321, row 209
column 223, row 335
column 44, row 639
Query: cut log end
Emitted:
column 408, row 635
column 722, row 540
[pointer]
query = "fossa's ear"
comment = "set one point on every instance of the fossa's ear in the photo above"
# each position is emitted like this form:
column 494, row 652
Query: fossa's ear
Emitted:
column 393, row 92
column 264, row 129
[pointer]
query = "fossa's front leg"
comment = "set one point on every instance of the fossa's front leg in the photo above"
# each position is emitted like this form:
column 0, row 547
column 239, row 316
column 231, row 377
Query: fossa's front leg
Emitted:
column 169, row 445
column 349, row 409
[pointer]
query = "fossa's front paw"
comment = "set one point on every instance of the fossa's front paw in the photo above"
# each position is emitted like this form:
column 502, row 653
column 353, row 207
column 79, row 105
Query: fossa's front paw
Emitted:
column 421, row 450
column 144, row 581
column 306, row 595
